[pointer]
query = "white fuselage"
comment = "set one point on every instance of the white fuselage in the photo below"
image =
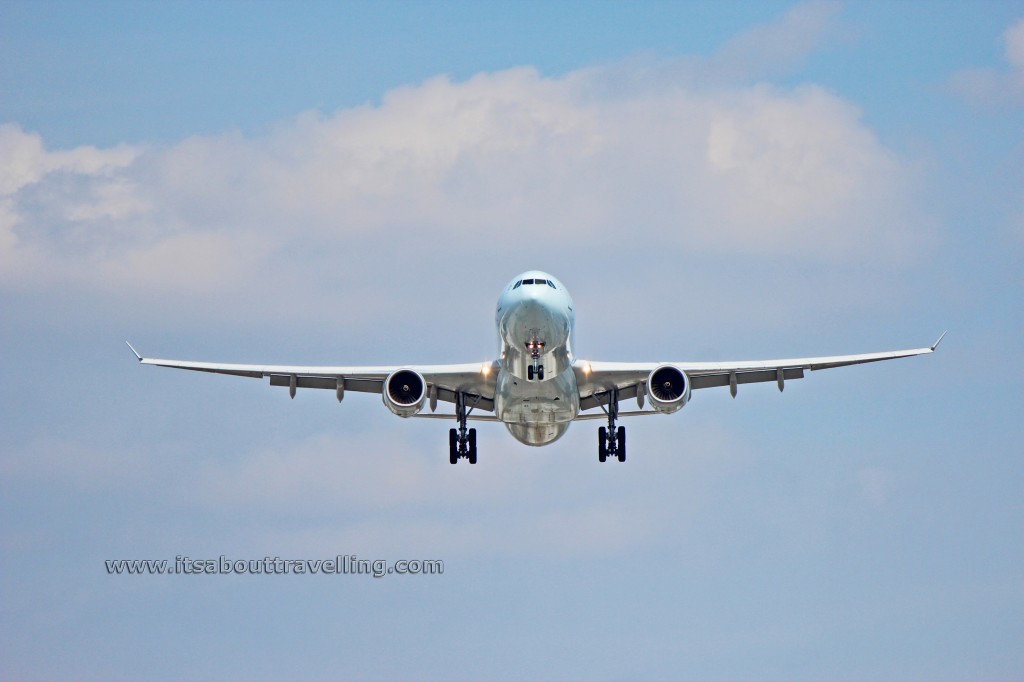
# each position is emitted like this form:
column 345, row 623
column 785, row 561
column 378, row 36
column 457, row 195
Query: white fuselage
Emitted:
column 535, row 325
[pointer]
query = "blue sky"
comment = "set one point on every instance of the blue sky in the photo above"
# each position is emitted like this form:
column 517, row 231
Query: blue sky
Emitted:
column 325, row 184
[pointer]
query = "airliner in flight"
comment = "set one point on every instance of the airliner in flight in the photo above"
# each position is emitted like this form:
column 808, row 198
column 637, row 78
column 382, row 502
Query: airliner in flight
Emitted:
column 537, row 386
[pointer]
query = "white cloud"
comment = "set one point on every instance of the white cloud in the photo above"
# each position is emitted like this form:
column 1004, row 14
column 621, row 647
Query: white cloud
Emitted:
column 781, row 165
column 991, row 86
column 778, row 46
column 27, row 166
column 23, row 158
column 495, row 159
column 506, row 170
column 1014, row 41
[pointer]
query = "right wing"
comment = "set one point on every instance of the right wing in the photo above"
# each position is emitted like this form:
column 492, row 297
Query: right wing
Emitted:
column 475, row 381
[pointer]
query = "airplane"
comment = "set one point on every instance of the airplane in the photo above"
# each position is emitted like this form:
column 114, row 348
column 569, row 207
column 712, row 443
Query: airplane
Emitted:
column 537, row 386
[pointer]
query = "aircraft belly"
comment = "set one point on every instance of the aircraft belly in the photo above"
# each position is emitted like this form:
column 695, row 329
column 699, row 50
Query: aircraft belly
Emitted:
column 537, row 434
column 536, row 412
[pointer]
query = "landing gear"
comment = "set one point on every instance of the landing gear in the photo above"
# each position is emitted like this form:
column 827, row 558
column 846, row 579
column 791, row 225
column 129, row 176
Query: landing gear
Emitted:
column 611, row 441
column 461, row 441
column 536, row 369
column 462, row 445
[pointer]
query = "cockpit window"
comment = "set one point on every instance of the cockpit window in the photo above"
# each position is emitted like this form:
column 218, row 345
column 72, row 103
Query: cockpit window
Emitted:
column 517, row 284
column 551, row 284
column 541, row 281
column 527, row 281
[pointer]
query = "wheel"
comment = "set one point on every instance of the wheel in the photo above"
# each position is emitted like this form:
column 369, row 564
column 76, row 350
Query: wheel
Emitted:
column 540, row 372
column 453, row 446
column 602, row 444
column 529, row 373
column 472, row 446
column 620, row 442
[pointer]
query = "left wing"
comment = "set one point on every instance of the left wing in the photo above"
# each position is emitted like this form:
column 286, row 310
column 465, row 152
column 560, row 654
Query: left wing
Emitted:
column 597, row 379
column 475, row 381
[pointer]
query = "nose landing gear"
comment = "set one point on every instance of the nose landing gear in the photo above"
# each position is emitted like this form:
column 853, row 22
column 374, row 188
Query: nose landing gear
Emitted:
column 461, row 441
column 611, row 441
column 536, row 370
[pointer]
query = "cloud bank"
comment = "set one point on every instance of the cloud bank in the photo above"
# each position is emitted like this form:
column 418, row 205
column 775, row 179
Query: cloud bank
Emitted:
column 494, row 163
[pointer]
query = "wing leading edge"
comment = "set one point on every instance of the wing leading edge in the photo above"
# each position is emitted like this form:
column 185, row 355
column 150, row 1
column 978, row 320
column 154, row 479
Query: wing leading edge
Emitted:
column 597, row 379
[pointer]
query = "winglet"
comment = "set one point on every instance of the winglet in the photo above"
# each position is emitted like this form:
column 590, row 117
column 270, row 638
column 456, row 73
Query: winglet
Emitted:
column 135, row 351
column 936, row 344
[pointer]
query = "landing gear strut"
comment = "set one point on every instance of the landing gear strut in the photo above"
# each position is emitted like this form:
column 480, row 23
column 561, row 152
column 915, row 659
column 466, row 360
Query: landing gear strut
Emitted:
column 461, row 441
column 611, row 441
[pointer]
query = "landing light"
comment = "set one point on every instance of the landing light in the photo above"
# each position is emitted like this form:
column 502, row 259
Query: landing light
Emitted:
column 485, row 369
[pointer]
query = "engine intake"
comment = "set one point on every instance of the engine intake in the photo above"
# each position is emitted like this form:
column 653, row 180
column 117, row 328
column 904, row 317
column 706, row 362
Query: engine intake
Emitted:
column 668, row 388
column 404, row 392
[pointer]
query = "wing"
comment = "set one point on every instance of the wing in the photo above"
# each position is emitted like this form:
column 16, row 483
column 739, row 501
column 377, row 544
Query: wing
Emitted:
column 596, row 379
column 476, row 380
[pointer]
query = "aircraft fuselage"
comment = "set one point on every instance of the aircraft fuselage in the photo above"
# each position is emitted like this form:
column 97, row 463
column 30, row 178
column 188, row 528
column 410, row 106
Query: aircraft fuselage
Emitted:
column 536, row 395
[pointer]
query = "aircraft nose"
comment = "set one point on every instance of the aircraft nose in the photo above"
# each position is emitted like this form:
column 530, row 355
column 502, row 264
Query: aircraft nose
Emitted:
column 534, row 317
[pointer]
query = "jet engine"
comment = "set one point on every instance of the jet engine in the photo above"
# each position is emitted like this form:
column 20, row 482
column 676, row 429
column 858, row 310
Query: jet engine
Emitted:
column 404, row 392
column 668, row 388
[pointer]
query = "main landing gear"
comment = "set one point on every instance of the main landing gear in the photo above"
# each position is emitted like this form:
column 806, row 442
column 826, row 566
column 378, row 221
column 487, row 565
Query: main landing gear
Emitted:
column 611, row 441
column 461, row 441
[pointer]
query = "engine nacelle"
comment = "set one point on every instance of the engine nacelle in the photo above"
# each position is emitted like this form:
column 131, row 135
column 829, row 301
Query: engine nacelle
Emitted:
column 404, row 392
column 668, row 388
